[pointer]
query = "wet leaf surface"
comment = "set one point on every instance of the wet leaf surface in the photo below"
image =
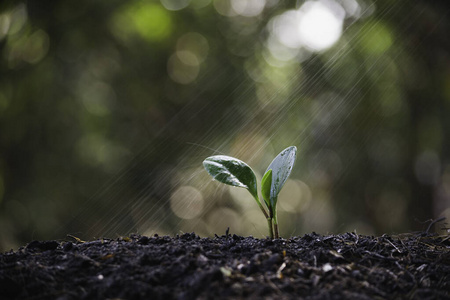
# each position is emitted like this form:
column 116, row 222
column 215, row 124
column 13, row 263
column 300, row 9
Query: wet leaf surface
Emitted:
column 232, row 171
column 266, row 183
column 281, row 167
column 346, row 266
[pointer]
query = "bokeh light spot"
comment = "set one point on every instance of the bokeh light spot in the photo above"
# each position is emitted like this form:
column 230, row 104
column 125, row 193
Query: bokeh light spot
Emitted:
column 295, row 197
column 183, row 67
column 224, row 8
column 248, row 8
column 175, row 4
column 289, row 196
column 12, row 22
column 188, row 58
column 194, row 43
column 375, row 38
column 36, row 47
column 320, row 25
column 352, row 8
column 199, row 4
column 146, row 19
column 5, row 22
column 186, row 202
column 315, row 26
column 285, row 28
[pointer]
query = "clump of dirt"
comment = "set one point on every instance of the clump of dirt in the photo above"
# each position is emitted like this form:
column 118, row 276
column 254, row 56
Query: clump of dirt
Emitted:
column 346, row 266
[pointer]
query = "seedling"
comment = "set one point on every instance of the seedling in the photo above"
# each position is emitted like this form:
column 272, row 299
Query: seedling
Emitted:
column 232, row 171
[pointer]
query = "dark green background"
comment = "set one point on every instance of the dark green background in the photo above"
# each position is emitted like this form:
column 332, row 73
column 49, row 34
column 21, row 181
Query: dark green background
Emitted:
column 96, row 137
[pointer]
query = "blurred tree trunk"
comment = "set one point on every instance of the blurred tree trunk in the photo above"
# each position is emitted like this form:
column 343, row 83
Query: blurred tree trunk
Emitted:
column 430, row 42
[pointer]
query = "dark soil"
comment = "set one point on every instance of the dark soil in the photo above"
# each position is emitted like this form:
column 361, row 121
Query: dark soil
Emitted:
column 347, row 266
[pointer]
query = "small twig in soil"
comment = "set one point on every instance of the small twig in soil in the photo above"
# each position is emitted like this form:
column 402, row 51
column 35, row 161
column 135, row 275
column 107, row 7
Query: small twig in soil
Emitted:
column 434, row 222
column 76, row 239
column 392, row 244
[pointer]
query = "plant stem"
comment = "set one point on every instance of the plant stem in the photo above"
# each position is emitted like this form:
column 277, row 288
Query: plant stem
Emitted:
column 269, row 222
column 269, row 219
column 275, row 222
column 272, row 219
column 263, row 210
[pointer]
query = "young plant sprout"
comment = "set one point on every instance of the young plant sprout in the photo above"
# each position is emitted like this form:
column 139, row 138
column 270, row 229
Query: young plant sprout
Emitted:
column 232, row 171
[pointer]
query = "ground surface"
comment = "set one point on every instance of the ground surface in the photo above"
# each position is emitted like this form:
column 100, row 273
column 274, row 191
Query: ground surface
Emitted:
column 347, row 266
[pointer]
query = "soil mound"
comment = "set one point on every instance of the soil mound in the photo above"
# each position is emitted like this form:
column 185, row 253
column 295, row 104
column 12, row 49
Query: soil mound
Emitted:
column 346, row 266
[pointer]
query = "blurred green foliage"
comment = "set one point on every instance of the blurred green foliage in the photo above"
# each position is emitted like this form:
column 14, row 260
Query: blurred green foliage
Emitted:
column 108, row 108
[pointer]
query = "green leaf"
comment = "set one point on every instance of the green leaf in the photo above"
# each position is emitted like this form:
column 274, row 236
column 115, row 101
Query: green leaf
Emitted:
column 281, row 168
column 232, row 171
column 266, row 183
